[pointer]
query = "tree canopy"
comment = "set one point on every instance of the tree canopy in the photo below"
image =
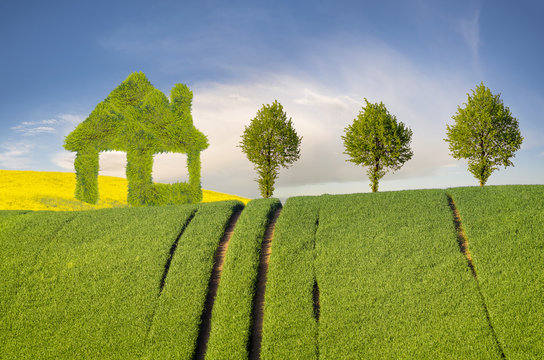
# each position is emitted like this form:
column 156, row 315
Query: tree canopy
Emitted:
column 270, row 142
column 375, row 139
column 485, row 133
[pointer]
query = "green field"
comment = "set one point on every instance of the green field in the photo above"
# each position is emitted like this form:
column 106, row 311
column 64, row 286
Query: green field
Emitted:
column 89, row 283
column 505, row 228
column 175, row 326
column 362, row 276
column 400, row 288
column 231, row 318
column 290, row 329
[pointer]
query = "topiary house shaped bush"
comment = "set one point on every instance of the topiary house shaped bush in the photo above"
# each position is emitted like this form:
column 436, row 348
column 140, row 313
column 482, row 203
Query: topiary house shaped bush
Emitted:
column 140, row 120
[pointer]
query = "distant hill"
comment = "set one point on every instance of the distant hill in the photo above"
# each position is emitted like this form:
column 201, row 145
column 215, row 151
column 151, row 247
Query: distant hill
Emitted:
column 40, row 190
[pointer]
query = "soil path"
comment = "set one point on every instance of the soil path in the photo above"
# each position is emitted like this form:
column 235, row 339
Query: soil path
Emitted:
column 463, row 247
column 461, row 236
column 205, row 320
column 173, row 248
column 258, row 301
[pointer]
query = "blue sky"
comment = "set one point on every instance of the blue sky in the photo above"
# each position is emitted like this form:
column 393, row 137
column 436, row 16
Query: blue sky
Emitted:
column 318, row 58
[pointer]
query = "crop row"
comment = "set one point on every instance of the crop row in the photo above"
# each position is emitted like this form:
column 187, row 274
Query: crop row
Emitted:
column 289, row 325
column 231, row 319
column 350, row 276
column 505, row 229
column 22, row 238
column 393, row 284
column 89, row 293
column 88, row 285
column 175, row 326
column 114, row 283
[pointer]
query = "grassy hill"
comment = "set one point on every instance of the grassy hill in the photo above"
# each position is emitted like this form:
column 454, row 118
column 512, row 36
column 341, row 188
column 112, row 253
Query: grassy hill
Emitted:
column 40, row 190
column 376, row 276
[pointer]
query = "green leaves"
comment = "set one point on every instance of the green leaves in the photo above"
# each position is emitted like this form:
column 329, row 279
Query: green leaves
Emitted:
column 140, row 120
column 375, row 139
column 270, row 142
column 485, row 133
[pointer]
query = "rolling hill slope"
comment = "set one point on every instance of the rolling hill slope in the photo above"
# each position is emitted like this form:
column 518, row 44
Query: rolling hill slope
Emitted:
column 374, row 276
column 41, row 190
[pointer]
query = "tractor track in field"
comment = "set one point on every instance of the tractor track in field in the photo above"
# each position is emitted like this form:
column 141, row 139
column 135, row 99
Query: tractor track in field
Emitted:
column 257, row 311
column 39, row 253
column 462, row 240
column 173, row 248
column 461, row 236
column 315, row 292
column 213, row 285
column 171, row 252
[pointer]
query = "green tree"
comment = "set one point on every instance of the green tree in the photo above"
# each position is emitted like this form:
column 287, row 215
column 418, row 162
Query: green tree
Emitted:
column 375, row 139
column 485, row 133
column 270, row 142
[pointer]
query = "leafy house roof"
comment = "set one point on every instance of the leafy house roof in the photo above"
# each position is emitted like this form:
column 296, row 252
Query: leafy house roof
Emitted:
column 136, row 115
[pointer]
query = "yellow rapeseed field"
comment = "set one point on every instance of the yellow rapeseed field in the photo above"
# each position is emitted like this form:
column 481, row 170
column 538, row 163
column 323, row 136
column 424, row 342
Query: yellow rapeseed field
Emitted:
column 40, row 190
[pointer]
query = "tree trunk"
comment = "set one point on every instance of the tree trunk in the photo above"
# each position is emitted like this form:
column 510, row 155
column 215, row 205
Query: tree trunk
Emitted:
column 483, row 178
column 375, row 175
column 270, row 184
column 483, row 159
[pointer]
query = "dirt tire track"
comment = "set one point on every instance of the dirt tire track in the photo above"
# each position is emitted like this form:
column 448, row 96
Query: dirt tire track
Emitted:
column 166, row 269
column 461, row 235
column 213, row 285
column 260, row 288
column 463, row 247
column 173, row 248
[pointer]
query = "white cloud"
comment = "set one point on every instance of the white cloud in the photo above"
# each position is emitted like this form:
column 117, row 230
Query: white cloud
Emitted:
column 310, row 97
column 30, row 129
column 39, row 130
column 169, row 168
column 469, row 28
column 63, row 125
column 450, row 166
column 322, row 103
column 16, row 156
column 64, row 160
column 112, row 163
column 322, row 98
column 72, row 119
column 68, row 122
